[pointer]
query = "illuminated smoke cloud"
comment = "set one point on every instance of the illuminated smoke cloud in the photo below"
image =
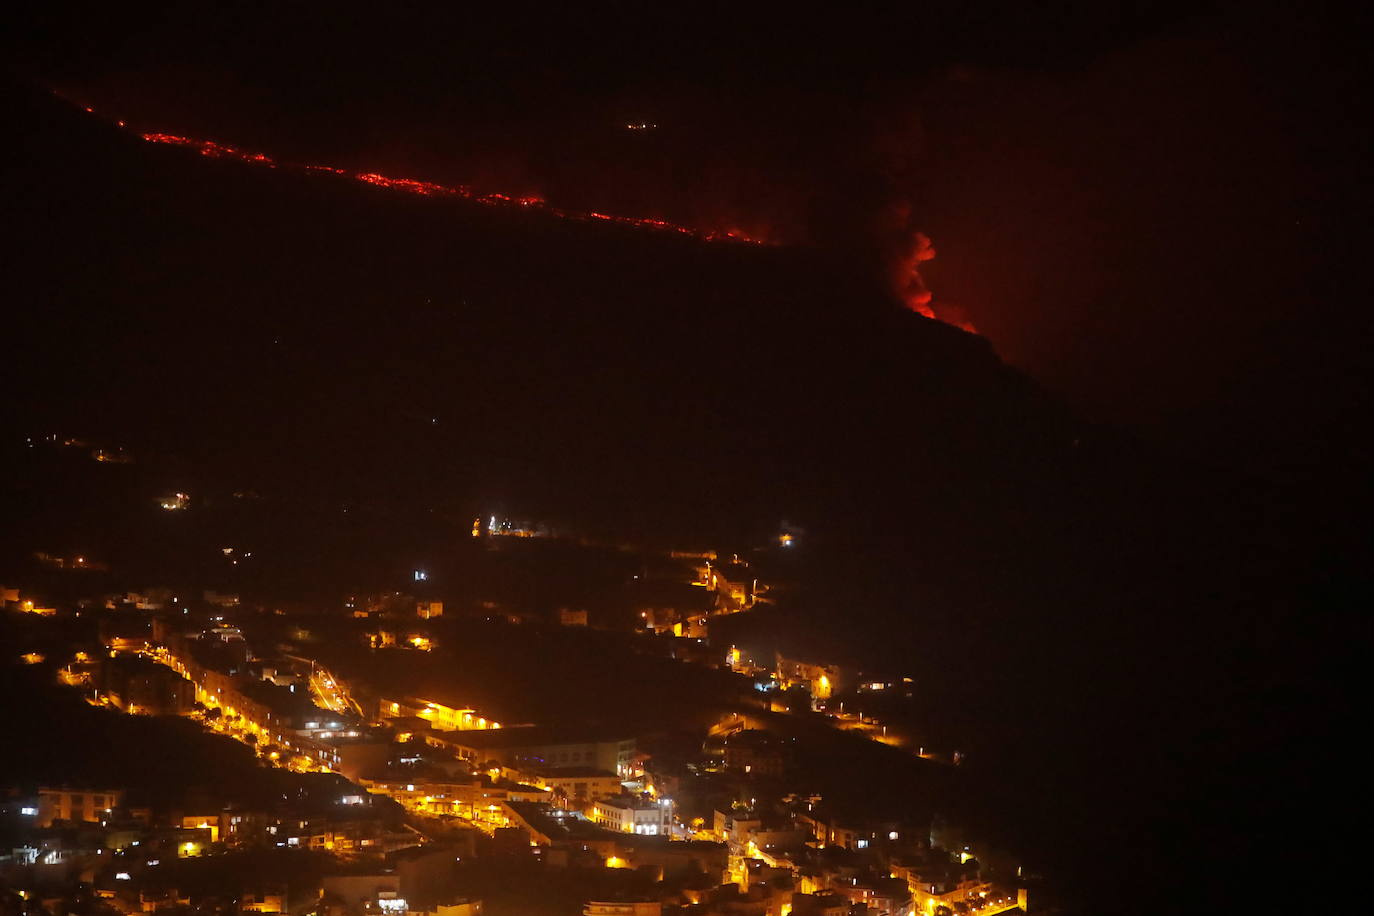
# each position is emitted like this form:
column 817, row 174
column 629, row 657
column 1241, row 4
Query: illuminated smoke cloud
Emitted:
column 913, row 291
column 905, row 249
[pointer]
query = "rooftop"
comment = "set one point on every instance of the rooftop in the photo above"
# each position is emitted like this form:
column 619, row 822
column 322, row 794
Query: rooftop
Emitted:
column 574, row 773
column 536, row 736
column 628, row 803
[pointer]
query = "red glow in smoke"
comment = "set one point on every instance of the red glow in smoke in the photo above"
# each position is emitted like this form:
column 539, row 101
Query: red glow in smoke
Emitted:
column 913, row 250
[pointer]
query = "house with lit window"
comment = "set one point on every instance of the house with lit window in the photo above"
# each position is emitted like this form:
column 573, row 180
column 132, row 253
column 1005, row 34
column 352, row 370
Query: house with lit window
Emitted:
column 72, row 805
column 755, row 752
column 820, row 680
column 631, row 814
column 608, row 908
column 579, row 785
column 536, row 747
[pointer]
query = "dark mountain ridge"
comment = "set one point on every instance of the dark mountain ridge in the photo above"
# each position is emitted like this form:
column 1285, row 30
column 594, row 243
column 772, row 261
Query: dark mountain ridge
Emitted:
column 1085, row 616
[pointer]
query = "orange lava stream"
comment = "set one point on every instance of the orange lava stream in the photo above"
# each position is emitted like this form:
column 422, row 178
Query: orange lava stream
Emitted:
column 918, row 300
column 431, row 189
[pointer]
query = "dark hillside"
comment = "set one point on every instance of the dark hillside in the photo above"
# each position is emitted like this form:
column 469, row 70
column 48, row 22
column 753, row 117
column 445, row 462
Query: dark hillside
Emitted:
column 1082, row 616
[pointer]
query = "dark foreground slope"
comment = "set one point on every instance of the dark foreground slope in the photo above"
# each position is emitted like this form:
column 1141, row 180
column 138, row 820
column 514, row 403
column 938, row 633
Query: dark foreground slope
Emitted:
column 1118, row 641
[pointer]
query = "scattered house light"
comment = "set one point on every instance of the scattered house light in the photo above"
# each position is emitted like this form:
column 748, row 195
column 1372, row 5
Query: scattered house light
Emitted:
column 174, row 502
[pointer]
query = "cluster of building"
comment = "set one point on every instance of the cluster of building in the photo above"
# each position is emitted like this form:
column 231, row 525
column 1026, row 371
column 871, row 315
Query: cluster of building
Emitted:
column 94, row 830
column 424, row 782
column 73, row 838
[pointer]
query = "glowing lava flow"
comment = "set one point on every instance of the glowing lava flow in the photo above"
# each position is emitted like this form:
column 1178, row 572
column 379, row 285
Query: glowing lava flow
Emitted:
column 209, row 148
column 913, row 248
column 431, row 189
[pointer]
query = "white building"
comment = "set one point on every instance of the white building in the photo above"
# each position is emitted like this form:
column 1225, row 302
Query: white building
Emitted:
column 632, row 815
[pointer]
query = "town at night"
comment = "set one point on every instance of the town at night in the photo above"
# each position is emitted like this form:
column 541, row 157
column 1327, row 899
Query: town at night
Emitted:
column 681, row 462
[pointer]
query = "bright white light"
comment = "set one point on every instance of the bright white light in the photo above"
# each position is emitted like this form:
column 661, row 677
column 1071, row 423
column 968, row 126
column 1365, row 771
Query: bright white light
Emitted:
column 122, row 876
column 28, row 811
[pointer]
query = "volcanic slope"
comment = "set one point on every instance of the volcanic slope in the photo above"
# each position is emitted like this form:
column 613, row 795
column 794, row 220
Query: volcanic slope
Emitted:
column 1057, row 590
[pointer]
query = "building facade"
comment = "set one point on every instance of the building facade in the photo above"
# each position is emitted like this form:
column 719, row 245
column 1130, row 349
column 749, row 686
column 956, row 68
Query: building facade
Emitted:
column 63, row 804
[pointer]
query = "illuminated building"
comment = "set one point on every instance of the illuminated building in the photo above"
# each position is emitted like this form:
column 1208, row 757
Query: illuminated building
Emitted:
column 262, row 712
column 643, row 908
column 460, row 907
column 734, row 585
column 136, row 684
column 674, row 622
column 828, row 904
column 439, row 715
column 579, row 784
column 516, row 528
column 821, row 680
column 628, row 814
column 112, row 456
column 206, row 822
column 174, row 502
column 262, row 903
column 220, row 599
column 754, row 752
column 572, row 617
column 532, row 748
column 64, row 804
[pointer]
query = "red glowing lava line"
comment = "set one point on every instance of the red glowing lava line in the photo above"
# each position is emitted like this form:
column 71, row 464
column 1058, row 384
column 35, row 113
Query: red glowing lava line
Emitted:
column 216, row 150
